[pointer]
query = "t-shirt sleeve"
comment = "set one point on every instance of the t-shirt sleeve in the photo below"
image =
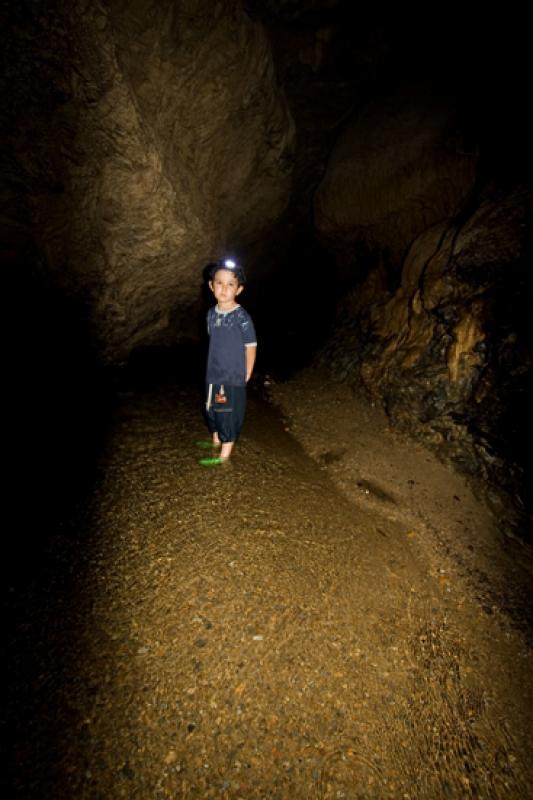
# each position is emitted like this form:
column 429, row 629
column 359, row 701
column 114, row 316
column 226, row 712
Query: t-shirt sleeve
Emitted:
column 248, row 331
column 208, row 321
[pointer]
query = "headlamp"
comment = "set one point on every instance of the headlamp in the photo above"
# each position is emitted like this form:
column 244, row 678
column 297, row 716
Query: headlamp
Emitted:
column 231, row 265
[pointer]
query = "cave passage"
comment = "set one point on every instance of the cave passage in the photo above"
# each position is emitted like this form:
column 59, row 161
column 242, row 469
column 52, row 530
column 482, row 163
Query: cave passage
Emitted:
column 255, row 630
column 343, row 611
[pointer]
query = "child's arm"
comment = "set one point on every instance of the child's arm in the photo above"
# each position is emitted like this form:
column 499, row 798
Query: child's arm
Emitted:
column 251, row 352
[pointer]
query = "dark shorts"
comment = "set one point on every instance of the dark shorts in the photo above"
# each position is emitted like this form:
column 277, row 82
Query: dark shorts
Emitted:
column 224, row 410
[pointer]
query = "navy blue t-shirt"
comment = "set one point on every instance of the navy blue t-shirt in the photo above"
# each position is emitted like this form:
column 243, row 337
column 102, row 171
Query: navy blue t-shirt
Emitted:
column 230, row 332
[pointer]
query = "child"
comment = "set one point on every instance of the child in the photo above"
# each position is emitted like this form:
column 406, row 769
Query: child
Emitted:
column 231, row 358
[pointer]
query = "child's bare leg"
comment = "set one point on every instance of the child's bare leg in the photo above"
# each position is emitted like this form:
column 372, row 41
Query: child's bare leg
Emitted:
column 226, row 449
column 216, row 440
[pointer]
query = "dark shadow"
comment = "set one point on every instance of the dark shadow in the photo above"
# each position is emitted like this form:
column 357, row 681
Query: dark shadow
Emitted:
column 293, row 308
column 60, row 398
column 152, row 366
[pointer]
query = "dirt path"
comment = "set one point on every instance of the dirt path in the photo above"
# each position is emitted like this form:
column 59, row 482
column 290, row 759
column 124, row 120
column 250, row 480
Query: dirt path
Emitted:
column 252, row 631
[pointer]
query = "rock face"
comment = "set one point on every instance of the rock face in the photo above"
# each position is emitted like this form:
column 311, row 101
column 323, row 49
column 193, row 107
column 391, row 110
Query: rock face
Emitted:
column 147, row 138
column 399, row 166
column 426, row 206
column 448, row 351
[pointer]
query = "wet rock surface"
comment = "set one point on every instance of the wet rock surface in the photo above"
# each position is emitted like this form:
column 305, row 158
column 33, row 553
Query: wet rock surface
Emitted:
column 256, row 630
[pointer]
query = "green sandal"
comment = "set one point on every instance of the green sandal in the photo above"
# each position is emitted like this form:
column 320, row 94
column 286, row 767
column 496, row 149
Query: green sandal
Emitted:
column 207, row 444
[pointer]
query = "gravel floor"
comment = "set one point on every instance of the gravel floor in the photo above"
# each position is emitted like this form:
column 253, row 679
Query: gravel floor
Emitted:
column 255, row 631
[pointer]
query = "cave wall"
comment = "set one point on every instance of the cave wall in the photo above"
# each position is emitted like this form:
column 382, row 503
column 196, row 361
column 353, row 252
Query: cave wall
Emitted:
column 143, row 139
column 400, row 164
column 434, row 246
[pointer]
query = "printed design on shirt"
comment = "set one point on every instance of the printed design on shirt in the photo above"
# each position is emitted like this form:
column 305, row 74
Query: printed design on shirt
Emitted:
column 228, row 319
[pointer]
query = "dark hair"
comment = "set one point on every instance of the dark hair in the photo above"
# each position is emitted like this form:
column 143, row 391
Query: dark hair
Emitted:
column 231, row 266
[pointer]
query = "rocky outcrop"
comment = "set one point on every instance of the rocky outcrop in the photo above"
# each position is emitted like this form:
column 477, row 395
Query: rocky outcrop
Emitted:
column 400, row 165
column 146, row 138
column 448, row 352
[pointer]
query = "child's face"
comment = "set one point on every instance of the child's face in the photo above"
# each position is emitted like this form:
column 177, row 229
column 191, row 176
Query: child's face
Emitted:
column 225, row 287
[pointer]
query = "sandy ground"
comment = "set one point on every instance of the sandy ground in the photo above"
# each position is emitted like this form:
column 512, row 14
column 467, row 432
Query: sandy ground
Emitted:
column 310, row 621
column 381, row 469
